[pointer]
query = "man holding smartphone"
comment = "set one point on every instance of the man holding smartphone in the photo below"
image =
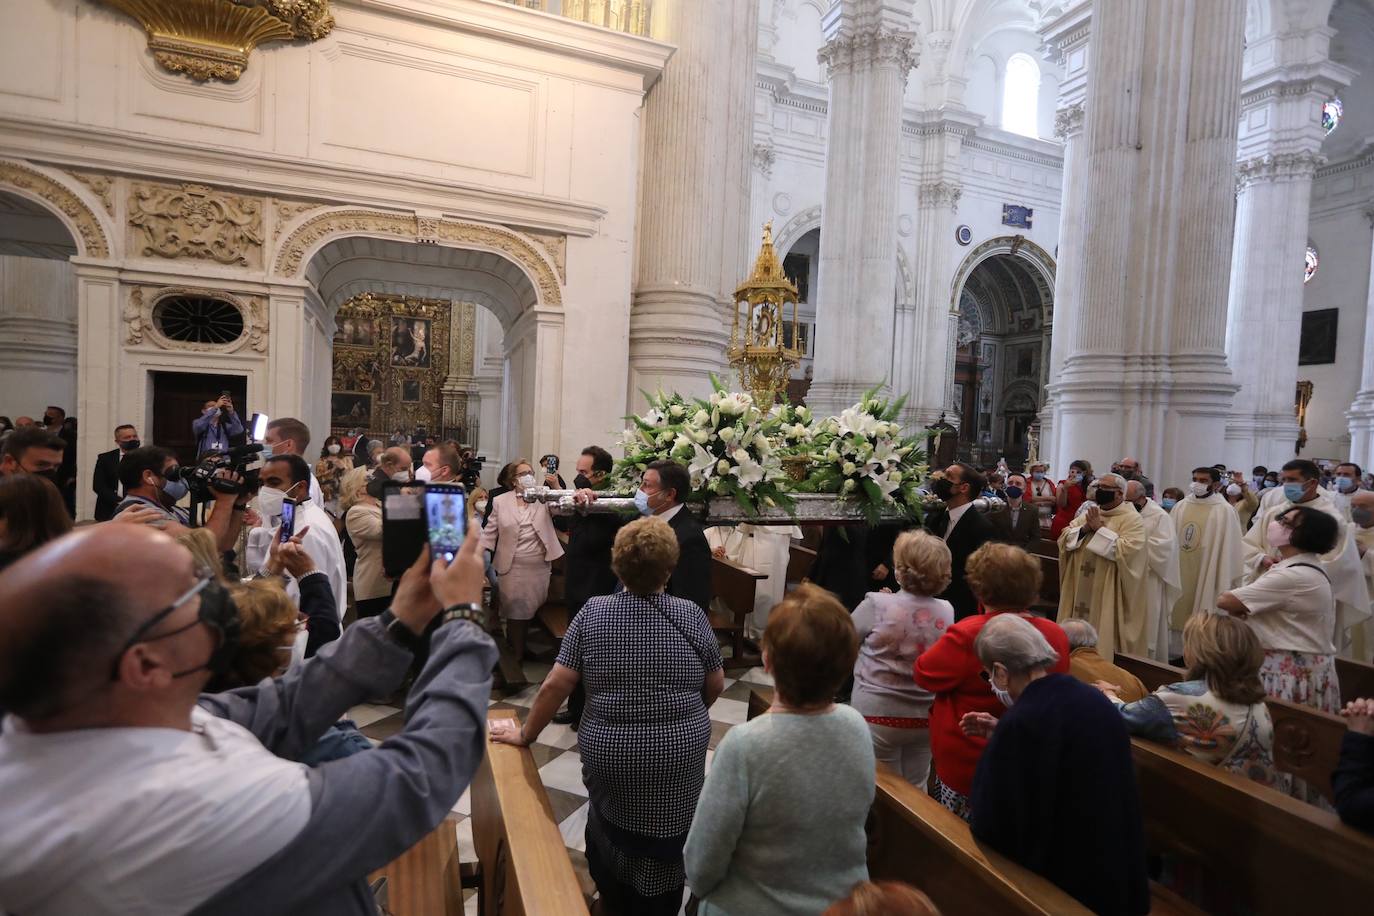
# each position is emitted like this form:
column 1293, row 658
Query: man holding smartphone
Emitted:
column 215, row 425
column 286, row 478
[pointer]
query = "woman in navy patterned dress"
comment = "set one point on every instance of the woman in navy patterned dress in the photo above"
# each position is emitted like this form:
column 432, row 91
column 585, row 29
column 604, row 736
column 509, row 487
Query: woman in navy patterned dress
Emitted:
column 651, row 668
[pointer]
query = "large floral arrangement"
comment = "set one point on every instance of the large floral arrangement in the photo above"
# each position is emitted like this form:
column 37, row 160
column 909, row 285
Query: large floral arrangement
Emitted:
column 862, row 454
column 730, row 447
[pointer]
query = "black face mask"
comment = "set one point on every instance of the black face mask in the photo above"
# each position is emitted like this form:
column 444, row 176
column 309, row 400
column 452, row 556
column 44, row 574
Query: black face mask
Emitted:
column 943, row 489
column 217, row 611
column 130, row 445
column 581, row 482
column 50, row 474
column 1104, row 497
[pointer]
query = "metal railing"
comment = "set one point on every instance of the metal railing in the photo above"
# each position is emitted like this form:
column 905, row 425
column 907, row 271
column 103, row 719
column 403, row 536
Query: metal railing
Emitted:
column 630, row 16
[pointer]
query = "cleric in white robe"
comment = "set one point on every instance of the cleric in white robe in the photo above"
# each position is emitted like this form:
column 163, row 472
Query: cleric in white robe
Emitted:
column 1342, row 564
column 1161, row 576
column 1211, row 558
column 766, row 549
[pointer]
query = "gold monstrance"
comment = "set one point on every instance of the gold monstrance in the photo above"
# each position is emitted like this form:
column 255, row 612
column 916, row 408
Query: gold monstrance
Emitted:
column 760, row 351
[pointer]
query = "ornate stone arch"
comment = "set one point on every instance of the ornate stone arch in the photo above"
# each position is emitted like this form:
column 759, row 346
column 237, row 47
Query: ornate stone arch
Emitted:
column 318, row 229
column 90, row 232
column 1017, row 246
column 796, row 227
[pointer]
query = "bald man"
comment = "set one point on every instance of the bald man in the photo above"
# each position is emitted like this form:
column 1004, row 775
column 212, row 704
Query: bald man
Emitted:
column 127, row 791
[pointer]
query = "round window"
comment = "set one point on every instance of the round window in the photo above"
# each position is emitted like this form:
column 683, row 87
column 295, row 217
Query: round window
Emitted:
column 198, row 319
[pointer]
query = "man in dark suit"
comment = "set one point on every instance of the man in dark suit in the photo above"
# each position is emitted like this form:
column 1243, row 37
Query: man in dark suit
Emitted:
column 1019, row 522
column 667, row 484
column 964, row 529
column 105, row 480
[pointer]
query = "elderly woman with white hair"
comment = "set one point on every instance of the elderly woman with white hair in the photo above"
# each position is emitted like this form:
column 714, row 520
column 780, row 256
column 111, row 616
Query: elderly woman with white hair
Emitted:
column 1103, row 560
column 1055, row 789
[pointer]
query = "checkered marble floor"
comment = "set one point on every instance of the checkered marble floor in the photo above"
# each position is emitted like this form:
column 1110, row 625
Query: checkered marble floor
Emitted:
column 556, row 755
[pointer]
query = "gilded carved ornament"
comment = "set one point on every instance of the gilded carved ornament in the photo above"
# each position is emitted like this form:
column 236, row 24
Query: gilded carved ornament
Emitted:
column 195, row 221
column 212, row 39
column 290, row 259
column 94, row 243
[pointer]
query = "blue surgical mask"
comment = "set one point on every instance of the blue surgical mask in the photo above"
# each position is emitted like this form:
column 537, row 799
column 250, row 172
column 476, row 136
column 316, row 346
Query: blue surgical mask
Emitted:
column 642, row 503
column 1293, row 491
column 175, row 489
column 1037, row 475
column 1168, row 502
column 1345, row 485
column 266, row 451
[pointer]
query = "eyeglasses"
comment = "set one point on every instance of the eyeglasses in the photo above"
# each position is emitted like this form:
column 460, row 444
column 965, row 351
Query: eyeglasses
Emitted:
column 205, row 577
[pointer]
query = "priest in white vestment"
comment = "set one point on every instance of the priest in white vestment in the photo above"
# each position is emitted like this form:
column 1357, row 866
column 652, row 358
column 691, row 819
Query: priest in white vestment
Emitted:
column 1161, row 576
column 1210, row 552
column 1342, row 565
column 1362, row 517
column 1103, row 561
column 765, row 549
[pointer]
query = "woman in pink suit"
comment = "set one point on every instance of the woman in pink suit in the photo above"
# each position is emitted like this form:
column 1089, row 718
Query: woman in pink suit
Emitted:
column 526, row 544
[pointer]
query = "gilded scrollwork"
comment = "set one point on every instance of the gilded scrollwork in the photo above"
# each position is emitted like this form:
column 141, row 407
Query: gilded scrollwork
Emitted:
column 195, row 221
column 94, row 243
column 290, row 258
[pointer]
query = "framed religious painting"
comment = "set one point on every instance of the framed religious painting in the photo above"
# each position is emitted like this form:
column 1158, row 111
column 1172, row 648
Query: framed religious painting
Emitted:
column 355, row 331
column 1317, row 343
column 347, row 409
column 410, row 339
column 410, row 391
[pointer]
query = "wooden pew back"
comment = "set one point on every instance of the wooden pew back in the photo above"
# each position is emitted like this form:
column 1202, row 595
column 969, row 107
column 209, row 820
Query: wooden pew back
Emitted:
column 1357, row 679
column 425, row 880
column 734, row 585
column 525, row 866
column 1307, row 741
column 1274, row 853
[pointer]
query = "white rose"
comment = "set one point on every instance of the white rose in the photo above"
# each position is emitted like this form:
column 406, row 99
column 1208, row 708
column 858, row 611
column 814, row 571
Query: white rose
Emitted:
column 895, row 477
column 804, row 412
column 701, row 418
column 722, row 466
column 676, row 410
column 848, row 487
column 848, row 468
column 761, row 443
column 699, row 436
column 727, row 434
column 740, row 456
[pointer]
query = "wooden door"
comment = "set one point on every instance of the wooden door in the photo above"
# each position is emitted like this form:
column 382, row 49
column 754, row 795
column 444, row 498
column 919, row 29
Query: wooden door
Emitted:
column 177, row 401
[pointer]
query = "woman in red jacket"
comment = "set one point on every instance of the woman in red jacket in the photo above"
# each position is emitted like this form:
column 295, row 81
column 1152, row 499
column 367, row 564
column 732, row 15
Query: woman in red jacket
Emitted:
column 1004, row 579
column 1070, row 494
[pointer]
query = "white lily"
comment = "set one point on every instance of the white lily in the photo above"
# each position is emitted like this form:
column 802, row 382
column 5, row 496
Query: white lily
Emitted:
column 748, row 471
column 853, row 420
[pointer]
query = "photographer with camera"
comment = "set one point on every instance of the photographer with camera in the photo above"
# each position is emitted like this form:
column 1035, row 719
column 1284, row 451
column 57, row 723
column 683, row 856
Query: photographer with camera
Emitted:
column 287, row 477
column 153, row 485
column 216, row 425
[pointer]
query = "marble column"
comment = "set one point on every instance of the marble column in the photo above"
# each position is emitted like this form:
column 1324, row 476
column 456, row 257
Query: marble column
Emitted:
column 694, row 237
column 100, row 404
column 1278, row 157
column 868, row 54
column 1361, row 413
column 1066, row 41
column 1145, row 373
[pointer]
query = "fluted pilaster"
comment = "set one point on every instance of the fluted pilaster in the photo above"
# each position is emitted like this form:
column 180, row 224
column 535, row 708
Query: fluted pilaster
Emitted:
column 868, row 62
column 1361, row 413
column 694, row 241
column 1146, row 373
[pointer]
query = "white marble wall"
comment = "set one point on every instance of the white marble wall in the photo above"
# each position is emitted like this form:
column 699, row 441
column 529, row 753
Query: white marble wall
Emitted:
column 37, row 336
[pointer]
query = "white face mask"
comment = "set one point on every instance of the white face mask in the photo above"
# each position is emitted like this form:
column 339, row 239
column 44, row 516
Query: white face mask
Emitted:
column 1003, row 695
column 1200, row 490
column 334, row 449
column 422, row 474
column 1233, row 490
column 480, row 505
column 525, row 481
column 269, row 502
column 401, row 477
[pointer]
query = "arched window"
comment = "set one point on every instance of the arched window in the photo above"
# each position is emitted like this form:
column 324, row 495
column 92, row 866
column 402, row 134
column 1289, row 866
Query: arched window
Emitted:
column 1021, row 95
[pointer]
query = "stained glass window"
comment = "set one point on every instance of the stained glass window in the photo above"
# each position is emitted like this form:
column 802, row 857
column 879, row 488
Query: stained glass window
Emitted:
column 1332, row 110
column 1310, row 270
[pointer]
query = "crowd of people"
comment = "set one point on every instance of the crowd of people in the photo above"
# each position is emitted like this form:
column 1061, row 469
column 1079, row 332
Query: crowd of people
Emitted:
column 175, row 683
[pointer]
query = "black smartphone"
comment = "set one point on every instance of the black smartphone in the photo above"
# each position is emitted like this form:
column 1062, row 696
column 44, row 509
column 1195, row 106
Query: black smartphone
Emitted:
column 403, row 526
column 552, row 464
column 288, row 520
column 446, row 518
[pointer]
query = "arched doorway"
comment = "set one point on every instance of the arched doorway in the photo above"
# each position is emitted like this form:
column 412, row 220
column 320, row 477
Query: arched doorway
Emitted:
column 479, row 294
column 800, row 261
column 1005, row 300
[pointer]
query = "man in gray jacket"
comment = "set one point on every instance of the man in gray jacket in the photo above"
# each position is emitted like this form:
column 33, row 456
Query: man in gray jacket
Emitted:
column 130, row 792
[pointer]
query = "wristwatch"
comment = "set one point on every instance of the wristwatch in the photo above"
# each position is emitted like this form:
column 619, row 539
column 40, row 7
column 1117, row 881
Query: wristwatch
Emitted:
column 399, row 633
column 469, row 611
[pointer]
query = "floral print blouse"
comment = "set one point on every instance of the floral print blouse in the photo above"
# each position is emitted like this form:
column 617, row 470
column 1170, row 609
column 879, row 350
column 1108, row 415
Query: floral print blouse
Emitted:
column 1188, row 716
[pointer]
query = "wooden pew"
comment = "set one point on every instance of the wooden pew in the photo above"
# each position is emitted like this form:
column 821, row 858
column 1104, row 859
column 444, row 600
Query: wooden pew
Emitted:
column 1357, row 679
column 427, row 879
column 734, row 585
column 800, row 561
column 525, row 869
column 1307, row 741
column 1273, row 853
column 913, row 838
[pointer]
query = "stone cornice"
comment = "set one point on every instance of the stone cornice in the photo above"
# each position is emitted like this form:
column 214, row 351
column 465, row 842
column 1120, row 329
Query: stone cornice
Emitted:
column 1068, row 31
column 1006, row 150
column 868, row 49
column 1277, row 167
column 1349, row 165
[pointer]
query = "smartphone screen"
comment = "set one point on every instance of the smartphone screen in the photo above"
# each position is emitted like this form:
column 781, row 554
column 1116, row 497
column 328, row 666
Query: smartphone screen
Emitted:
column 258, row 427
column 553, row 464
column 403, row 526
column 446, row 517
column 288, row 520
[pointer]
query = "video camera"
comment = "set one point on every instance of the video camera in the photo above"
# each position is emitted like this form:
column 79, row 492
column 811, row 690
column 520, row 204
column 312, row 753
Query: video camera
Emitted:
column 470, row 475
column 245, row 461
